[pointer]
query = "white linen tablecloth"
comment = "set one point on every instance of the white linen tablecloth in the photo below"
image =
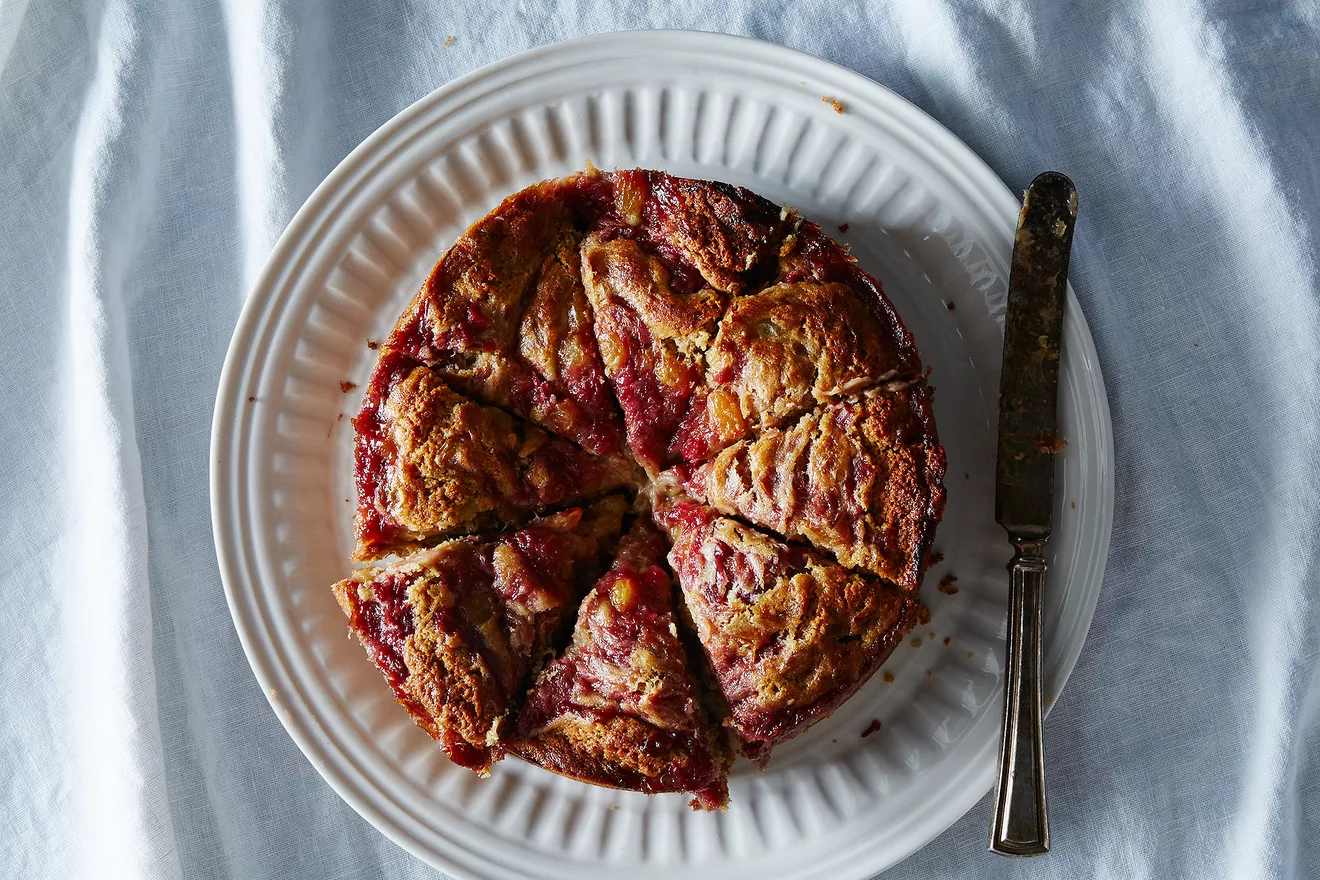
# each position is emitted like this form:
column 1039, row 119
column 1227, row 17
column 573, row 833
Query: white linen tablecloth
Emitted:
column 151, row 152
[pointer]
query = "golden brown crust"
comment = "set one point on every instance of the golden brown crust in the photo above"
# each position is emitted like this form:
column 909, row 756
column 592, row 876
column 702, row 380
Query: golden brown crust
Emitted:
column 652, row 340
column 664, row 322
column 455, row 629
column 789, row 634
column 792, row 346
column 619, row 707
column 861, row 478
column 696, row 371
column 453, row 466
column 722, row 230
column 504, row 319
column 807, row 254
column 626, row 753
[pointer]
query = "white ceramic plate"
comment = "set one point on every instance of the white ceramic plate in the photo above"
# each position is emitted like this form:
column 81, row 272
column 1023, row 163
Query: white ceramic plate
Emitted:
column 925, row 215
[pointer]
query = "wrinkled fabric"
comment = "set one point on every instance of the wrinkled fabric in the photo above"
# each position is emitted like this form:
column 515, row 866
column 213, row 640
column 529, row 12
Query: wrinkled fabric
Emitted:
column 151, row 152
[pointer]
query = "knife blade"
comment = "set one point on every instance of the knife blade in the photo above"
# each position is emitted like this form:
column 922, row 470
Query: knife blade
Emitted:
column 1024, row 494
column 1029, row 380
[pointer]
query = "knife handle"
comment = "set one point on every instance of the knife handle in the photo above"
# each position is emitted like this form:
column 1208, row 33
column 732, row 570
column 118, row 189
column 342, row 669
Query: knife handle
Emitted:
column 1021, row 826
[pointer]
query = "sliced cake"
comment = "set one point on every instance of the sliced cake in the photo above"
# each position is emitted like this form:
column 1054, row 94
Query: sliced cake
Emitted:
column 788, row 633
column 458, row 628
column 652, row 341
column 504, row 319
column 620, row 707
column 861, row 478
column 432, row 463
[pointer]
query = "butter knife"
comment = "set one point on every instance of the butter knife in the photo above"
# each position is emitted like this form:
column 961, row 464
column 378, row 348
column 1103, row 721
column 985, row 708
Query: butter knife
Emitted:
column 1024, row 495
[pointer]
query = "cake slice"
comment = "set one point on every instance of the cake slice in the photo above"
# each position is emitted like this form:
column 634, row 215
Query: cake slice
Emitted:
column 707, row 233
column 619, row 708
column 861, row 478
column 433, row 463
column 504, row 319
column 457, row 629
column 652, row 341
column 696, row 371
column 789, row 634
column 808, row 255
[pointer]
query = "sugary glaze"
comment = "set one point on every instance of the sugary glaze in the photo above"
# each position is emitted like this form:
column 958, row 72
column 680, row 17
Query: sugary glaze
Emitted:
column 726, row 366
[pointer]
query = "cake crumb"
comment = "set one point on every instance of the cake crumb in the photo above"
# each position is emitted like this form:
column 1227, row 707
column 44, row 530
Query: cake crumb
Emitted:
column 1074, row 505
column 929, row 673
column 871, row 728
column 1196, row 345
column 948, row 639
column 970, row 655
column 834, row 740
column 947, row 584
column 836, row 104
column 347, row 386
column 1049, row 698
column 932, row 637
column 967, row 476
column 340, row 417
column 252, row 400
column 916, row 643
column 843, row 227
column 935, row 558
column 1049, row 444
column 889, row 677
column 949, row 306
column 449, row 40
column 373, row 344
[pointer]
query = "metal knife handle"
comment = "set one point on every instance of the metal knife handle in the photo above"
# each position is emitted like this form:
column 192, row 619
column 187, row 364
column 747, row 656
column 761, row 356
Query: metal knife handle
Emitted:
column 1021, row 826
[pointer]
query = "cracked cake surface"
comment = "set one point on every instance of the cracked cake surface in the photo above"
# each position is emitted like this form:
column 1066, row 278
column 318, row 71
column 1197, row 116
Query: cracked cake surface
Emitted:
column 456, row 628
column 442, row 464
column 680, row 362
column 619, row 707
column 789, row 633
column 861, row 478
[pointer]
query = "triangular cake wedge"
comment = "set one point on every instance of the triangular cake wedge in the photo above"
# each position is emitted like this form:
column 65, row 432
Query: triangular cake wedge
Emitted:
column 458, row 628
column 861, row 478
column 652, row 341
column 503, row 317
column 620, row 707
column 781, row 352
column 697, row 360
column 432, row 463
column 789, row 634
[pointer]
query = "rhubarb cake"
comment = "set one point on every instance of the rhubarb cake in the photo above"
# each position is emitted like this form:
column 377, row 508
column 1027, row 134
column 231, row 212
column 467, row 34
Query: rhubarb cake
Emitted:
column 680, row 362
column 789, row 633
column 620, row 706
column 456, row 628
